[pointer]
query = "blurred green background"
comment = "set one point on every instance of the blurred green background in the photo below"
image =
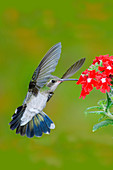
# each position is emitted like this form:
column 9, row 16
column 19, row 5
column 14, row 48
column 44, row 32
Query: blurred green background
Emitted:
column 27, row 30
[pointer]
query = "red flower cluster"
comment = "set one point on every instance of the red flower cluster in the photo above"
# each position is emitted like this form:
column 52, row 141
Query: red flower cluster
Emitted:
column 98, row 75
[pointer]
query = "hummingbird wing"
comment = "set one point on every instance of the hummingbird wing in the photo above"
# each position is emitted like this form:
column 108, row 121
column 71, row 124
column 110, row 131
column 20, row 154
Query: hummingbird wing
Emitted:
column 48, row 64
column 73, row 69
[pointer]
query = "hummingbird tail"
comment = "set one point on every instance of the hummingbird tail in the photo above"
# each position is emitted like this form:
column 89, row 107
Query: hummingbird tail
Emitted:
column 16, row 119
column 38, row 125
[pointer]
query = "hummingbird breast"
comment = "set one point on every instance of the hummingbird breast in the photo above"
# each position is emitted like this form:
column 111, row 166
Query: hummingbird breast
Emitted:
column 38, row 102
column 34, row 106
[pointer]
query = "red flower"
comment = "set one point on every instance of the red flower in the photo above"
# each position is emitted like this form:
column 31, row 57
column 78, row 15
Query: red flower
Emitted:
column 103, row 83
column 83, row 93
column 87, row 82
column 102, row 58
column 101, row 78
column 107, row 68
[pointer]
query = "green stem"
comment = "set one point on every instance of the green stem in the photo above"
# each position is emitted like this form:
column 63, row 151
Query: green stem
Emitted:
column 107, row 111
column 109, row 114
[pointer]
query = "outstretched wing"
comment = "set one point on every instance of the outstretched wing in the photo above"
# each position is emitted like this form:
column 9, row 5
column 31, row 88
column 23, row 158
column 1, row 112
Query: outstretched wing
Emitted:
column 48, row 64
column 73, row 69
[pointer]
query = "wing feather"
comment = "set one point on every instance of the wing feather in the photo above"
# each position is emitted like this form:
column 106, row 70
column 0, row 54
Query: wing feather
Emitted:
column 48, row 64
column 74, row 68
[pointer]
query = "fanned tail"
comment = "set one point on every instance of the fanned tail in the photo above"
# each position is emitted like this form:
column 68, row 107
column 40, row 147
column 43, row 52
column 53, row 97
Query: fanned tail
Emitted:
column 38, row 125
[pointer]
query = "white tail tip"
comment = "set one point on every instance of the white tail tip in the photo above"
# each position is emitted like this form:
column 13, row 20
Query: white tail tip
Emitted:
column 47, row 133
column 52, row 126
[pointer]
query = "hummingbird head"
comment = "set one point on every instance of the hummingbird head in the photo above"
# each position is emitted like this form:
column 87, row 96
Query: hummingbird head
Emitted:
column 55, row 81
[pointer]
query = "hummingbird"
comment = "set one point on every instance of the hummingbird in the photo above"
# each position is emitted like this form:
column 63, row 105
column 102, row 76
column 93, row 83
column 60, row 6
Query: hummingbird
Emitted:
column 29, row 119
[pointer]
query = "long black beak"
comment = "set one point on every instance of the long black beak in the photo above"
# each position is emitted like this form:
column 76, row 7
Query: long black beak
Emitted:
column 62, row 80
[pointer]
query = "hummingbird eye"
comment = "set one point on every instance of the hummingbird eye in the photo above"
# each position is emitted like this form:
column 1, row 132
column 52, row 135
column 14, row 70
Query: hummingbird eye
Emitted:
column 53, row 81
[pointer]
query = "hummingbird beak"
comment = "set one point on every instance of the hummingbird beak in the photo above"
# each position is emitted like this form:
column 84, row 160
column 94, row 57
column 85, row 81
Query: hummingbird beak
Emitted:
column 62, row 80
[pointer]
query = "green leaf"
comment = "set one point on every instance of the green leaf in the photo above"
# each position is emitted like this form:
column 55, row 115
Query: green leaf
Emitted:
column 96, row 112
column 103, row 116
column 103, row 123
column 94, row 107
column 102, row 102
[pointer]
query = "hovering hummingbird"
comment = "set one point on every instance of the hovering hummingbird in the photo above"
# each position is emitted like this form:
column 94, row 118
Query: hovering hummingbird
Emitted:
column 29, row 118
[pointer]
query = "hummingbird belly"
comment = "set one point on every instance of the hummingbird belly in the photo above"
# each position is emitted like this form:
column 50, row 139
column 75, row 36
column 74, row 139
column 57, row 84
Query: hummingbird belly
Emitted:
column 35, row 105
